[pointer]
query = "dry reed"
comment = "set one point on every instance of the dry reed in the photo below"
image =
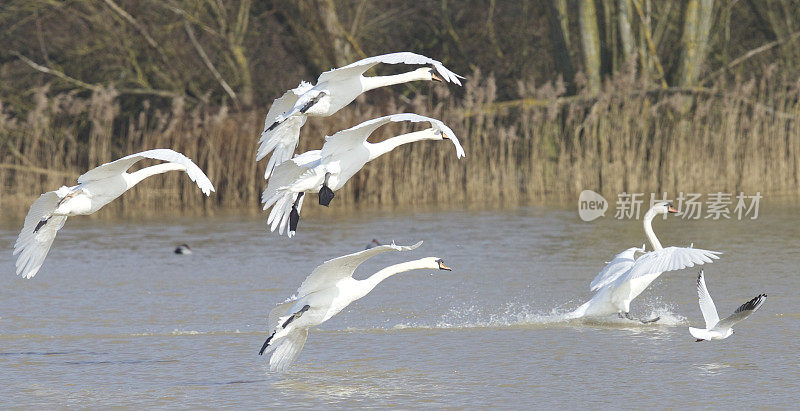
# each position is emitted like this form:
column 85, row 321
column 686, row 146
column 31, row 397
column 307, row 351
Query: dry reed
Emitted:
column 741, row 137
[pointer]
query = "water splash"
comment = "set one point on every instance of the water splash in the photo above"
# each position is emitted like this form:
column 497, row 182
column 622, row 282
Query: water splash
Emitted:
column 514, row 315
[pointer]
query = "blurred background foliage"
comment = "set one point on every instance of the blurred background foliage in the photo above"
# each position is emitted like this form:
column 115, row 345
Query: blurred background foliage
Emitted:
column 85, row 81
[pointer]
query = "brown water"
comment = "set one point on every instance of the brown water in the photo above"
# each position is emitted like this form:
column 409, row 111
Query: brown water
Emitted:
column 114, row 318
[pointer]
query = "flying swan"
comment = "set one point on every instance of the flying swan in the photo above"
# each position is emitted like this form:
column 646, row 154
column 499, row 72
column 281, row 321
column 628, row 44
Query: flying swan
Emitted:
column 716, row 329
column 95, row 189
column 625, row 277
column 335, row 89
column 329, row 289
column 327, row 170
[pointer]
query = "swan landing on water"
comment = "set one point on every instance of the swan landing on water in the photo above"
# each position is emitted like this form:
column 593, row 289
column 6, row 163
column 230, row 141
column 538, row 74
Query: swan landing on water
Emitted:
column 625, row 277
column 329, row 289
column 95, row 189
column 717, row 329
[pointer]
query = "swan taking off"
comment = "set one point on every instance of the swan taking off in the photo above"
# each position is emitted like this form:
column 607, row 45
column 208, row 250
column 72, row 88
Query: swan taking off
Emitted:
column 335, row 89
column 716, row 329
column 625, row 277
column 327, row 170
column 329, row 289
column 96, row 188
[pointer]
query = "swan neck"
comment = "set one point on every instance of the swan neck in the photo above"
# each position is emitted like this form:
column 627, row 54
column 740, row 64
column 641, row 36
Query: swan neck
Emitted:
column 648, row 230
column 373, row 82
column 379, row 149
column 391, row 270
column 137, row 176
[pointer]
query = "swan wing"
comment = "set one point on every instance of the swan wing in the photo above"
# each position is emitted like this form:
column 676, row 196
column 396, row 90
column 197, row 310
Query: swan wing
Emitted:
column 123, row 164
column 282, row 139
column 32, row 247
column 332, row 271
column 279, row 193
column 287, row 350
column 621, row 263
column 345, row 140
column 668, row 259
column 706, row 303
column 359, row 67
column 276, row 313
column 741, row 313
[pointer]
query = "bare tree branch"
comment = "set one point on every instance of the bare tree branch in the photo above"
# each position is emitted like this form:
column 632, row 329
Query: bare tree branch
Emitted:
column 93, row 87
column 651, row 46
column 56, row 73
column 753, row 52
column 208, row 62
column 142, row 30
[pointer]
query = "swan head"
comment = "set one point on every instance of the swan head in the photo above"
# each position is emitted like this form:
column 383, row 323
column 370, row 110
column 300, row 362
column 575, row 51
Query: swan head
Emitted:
column 434, row 75
column 433, row 263
column 664, row 207
column 427, row 73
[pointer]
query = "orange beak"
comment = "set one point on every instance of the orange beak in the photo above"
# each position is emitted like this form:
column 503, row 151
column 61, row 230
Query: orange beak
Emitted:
column 672, row 209
column 436, row 77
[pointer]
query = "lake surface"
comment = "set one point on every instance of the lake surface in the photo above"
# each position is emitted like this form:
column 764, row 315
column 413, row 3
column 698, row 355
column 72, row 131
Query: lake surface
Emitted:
column 114, row 318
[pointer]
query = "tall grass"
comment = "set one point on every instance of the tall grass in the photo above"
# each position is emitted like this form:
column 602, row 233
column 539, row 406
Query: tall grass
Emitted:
column 742, row 136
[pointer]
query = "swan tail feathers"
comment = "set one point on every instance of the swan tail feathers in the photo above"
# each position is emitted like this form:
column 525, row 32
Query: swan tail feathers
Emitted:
column 281, row 141
column 579, row 312
column 285, row 213
column 287, row 350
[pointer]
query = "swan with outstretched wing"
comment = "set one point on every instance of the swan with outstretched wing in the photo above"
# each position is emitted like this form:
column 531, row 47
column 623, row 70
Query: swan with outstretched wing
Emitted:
column 327, row 291
column 334, row 90
column 341, row 157
column 627, row 276
column 95, row 189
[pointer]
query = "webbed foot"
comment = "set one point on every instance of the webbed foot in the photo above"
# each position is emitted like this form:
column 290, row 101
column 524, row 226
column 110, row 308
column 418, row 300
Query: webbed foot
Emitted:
column 294, row 215
column 652, row 320
column 272, row 127
column 294, row 218
column 296, row 315
column 266, row 344
column 325, row 196
column 632, row 318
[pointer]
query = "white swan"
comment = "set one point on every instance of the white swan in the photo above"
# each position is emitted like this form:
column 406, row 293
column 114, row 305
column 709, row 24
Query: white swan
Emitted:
column 342, row 155
column 329, row 289
column 624, row 278
column 716, row 329
column 334, row 89
column 96, row 188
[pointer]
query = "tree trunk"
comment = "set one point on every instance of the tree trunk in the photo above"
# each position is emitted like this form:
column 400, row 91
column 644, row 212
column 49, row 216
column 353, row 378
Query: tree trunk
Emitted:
column 236, row 39
column 694, row 41
column 625, row 32
column 342, row 52
column 559, row 38
column 563, row 18
column 590, row 41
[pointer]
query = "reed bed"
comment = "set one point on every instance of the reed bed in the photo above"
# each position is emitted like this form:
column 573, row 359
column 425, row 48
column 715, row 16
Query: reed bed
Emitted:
column 543, row 147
